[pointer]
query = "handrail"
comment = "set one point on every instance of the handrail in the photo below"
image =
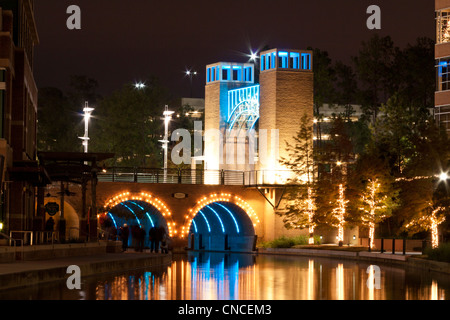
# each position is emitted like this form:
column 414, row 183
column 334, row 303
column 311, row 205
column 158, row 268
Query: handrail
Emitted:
column 15, row 245
column 196, row 176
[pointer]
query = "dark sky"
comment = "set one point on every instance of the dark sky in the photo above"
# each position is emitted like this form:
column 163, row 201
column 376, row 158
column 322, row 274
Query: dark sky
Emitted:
column 124, row 41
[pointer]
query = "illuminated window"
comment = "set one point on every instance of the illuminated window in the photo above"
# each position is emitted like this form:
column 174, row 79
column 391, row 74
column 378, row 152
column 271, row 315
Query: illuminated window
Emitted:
column 306, row 61
column 208, row 75
column 226, row 73
column 294, row 60
column 443, row 74
column 237, row 73
column 248, row 74
column 443, row 26
column 283, row 60
column 263, row 62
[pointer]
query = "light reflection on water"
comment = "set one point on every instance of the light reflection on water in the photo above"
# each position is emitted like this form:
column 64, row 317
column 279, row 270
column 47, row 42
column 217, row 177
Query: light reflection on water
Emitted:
column 217, row 276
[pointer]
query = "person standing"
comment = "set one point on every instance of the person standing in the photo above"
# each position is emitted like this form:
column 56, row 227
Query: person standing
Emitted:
column 124, row 234
column 152, row 236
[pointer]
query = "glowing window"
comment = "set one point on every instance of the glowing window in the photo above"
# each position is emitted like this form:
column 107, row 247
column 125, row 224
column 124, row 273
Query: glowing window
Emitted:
column 283, row 60
column 208, row 75
column 443, row 74
column 294, row 60
column 443, row 26
column 226, row 73
column 306, row 61
column 263, row 62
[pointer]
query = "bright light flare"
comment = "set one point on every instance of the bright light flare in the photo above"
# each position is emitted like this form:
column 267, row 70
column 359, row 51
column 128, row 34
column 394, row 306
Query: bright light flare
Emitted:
column 443, row 176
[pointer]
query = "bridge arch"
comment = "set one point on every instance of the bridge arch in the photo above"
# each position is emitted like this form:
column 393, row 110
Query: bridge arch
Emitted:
column 139, row 209
column 221, row 222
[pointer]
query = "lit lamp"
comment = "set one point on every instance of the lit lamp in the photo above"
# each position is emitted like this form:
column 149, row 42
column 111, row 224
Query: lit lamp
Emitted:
column 443, row 176
column 190, row 74
column 139, row 85
column 253, row 56
column 1, row 225
column 87, row 116
column 167, row 117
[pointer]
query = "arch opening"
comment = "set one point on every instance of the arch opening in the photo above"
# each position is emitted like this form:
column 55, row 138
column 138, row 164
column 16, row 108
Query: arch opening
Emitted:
column 137, row 211
column 221, row 223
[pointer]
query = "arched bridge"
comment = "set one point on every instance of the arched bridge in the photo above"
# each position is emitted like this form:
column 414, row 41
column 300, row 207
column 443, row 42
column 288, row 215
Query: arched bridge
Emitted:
column 227, row 215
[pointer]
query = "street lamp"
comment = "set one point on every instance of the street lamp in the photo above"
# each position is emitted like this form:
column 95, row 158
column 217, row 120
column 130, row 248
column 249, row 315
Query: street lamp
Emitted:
column 253, row 56
column 87, row 116
column 167, row 117
column 191, row 74
column 139, row 85
column 443, row 176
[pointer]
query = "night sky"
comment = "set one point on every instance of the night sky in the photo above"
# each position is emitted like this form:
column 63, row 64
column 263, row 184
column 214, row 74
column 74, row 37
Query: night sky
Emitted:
column 124, row 41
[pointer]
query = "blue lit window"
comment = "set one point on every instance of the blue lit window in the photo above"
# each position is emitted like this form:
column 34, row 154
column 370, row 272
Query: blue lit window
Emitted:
column 268, row 60
column 274, row 60
column 237, row 73
column 294, row 60
column 283, row 60
column 248, row 74
column 443, row 74
column 208, row 75
column 226, row 73
column 263, row 62
column 306, row 61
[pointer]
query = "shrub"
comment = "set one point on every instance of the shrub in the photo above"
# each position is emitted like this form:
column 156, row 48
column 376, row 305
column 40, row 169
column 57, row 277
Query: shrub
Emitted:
column 441, row 253
column 285, row 242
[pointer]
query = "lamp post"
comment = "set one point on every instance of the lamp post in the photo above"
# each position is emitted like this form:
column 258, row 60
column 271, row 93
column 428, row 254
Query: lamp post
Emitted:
column 87, row 116
column 167, row 117
column 190, row 74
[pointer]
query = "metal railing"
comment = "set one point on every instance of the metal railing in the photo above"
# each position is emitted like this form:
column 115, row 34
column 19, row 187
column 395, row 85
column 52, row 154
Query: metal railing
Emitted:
column 199, row 177
column 14, row 241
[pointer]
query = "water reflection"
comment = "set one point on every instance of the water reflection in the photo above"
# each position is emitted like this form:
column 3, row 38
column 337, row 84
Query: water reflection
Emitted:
column 218, row 276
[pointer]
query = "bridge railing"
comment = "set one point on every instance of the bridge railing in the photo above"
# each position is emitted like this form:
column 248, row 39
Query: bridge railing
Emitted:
column 187, row 176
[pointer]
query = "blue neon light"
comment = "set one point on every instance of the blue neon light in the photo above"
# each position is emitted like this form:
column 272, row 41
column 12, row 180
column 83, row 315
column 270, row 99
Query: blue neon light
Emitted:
column 206, row 220
column 442, row 64
column 195, row 226
column 151, row 221
column 232, row 216
column 112, row 218
column 137, row 219
column 217, row 215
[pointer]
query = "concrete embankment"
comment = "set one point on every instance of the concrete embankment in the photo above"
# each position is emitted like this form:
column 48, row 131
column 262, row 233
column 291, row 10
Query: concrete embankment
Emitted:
column 93, row 259
column 407, row 260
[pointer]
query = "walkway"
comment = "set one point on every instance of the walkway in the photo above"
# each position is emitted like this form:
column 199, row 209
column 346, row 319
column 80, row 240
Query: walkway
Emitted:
column 24, row 273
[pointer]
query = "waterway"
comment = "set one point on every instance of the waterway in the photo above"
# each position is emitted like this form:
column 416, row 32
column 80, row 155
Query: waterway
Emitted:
column 218, row 276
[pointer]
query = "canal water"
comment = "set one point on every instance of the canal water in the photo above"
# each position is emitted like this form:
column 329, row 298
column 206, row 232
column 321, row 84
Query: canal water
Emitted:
column 218, row 276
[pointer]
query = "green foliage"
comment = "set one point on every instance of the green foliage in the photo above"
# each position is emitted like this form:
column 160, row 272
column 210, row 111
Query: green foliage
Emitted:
column 289, row 242
column 441, row 253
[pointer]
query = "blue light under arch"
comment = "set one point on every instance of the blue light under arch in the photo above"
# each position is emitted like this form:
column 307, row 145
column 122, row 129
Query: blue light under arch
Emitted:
column 137, row 219
column 217, row 215
column 231, row 214
column 112, row 218
column 146, row 212
column 206, row 220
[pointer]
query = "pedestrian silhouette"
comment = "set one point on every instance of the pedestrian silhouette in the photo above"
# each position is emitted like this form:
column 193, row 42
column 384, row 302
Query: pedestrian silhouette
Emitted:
column 124, row 234
column 153, row 236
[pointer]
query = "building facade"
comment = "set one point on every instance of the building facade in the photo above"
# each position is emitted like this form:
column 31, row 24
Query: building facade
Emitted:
column 442, row 56
column 18, row 114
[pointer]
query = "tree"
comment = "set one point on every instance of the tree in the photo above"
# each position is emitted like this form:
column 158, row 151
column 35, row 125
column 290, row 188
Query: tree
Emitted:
column 128, row 124
column 57, row 123
column 376, row 72
column 373, row 195
column 430, row 219
column 300, row 208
